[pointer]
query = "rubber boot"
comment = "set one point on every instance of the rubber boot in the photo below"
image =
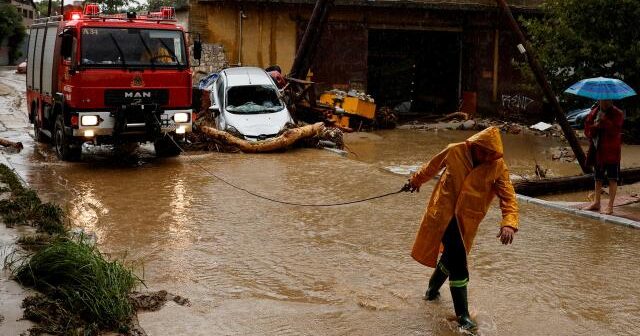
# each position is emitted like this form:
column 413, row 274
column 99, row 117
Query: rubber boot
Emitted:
column 461, row 306
column 437, row 280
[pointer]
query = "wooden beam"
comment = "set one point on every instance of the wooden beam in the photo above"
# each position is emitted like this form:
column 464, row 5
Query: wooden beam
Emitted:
column 526, row 48
column 566, row 184
column 8, row 143
column 309, row 43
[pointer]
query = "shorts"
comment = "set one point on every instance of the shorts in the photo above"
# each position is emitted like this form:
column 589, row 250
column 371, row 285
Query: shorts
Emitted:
column 611, row 170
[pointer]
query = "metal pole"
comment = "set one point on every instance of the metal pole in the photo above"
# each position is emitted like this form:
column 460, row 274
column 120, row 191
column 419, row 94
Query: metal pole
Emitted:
column 49, row 9
column 496, row 62
column 526, row 48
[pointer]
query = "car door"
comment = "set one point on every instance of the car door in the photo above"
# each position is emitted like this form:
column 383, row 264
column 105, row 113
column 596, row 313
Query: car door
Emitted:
column 219, row 89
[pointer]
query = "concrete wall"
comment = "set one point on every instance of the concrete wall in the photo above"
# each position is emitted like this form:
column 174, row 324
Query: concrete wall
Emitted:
column 268, row 33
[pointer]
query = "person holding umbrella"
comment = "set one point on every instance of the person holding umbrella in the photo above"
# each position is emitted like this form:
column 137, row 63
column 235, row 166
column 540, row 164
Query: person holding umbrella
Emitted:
column 603, row 127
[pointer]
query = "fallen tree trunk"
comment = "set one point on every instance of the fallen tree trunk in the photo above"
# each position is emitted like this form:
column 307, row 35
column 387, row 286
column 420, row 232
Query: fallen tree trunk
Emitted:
column 286, row 139
column 569, row 183
column 9, row 143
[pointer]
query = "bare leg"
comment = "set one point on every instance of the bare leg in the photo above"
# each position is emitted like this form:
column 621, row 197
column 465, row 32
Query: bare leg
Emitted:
column 613, row 187
column 596, row 202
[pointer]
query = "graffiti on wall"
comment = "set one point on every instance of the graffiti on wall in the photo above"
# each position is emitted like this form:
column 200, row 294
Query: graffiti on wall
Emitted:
column 515, row 102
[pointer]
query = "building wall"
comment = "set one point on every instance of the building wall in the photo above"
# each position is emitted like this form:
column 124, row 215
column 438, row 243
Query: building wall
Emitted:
column 270, row 34
column 26, row 10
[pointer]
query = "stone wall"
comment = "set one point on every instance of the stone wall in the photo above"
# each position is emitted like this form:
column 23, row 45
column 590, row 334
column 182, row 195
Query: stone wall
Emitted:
column 213, row 60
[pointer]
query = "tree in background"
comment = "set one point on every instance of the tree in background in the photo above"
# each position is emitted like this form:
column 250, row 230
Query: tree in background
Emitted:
column 43, row 6
column 12, row 30
column 115, row 6
column 154, row 5
column 577, row 39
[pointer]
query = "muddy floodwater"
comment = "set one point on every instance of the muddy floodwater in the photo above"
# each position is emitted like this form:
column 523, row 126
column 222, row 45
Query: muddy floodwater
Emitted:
column 253, row 267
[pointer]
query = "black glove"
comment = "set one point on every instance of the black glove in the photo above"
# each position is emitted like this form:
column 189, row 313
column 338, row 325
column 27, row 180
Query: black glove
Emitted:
column 408, row 187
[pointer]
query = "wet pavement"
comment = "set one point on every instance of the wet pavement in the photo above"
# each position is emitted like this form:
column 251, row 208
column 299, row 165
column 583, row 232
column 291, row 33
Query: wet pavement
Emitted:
column 253, row 267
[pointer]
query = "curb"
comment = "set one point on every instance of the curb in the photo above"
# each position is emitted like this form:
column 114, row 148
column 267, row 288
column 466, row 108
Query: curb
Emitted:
column 582, row 213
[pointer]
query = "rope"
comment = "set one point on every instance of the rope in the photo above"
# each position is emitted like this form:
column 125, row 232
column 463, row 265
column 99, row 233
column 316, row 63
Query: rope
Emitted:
column 279, row 201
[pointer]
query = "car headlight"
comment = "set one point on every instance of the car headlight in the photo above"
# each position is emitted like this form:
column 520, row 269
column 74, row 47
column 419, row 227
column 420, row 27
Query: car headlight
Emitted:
column 181, row 117
column 89, row 120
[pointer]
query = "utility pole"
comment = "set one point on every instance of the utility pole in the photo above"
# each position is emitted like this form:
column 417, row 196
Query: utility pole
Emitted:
column 309, row 43
column 525, row 48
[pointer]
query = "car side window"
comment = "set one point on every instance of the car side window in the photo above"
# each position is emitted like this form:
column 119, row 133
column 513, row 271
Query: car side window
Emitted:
column 220, row 89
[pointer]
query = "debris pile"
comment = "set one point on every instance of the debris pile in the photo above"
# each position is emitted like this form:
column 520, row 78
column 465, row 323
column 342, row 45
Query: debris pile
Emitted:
column 563, row 154
column 153, row 301
column 456, row 121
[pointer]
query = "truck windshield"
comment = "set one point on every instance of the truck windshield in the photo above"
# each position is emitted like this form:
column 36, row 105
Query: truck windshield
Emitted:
column 117, row 47
column 253, row 99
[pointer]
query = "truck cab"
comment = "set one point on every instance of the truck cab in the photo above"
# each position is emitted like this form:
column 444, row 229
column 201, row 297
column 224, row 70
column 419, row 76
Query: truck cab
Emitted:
column 109, row 80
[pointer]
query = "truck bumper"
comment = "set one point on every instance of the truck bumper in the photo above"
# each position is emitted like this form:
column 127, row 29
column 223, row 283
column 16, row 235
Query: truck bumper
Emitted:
column 106, row 124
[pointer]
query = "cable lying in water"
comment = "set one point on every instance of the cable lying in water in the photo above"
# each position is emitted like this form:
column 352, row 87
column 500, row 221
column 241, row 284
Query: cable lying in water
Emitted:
column 279, row 201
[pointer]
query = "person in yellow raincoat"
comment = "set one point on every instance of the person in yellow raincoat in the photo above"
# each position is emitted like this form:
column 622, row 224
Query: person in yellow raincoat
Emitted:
column 474, row 172
column 159, row 54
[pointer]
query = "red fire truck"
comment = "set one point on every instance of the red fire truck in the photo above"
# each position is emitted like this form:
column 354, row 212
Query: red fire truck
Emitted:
column 113, row 79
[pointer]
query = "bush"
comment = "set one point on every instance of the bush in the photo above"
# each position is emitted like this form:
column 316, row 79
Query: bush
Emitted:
column 75, row 275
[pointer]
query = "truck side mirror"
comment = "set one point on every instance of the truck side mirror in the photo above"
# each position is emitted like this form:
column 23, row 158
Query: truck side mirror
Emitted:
column 197, row 50
column 66, row 47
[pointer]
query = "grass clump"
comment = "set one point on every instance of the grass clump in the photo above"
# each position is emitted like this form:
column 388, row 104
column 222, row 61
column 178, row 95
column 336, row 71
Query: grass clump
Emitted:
column 34, row 242
column 83, row 289
column 25, row 207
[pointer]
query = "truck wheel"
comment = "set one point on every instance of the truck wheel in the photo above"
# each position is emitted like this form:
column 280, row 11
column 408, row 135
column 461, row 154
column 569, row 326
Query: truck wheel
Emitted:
column 165, row 147
column 63, row 145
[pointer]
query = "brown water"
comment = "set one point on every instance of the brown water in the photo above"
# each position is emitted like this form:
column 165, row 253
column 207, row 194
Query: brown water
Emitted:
column 252, row 267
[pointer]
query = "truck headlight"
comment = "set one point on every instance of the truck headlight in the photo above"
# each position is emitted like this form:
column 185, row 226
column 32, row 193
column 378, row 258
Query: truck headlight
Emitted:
column 89, row 120
column 181, row 117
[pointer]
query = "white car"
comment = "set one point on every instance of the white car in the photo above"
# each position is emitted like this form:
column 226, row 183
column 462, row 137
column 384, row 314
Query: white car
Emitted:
column 246, row 103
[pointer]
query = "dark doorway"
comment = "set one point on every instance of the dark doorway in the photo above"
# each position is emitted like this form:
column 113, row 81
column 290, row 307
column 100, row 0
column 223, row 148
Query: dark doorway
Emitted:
column 416, row 71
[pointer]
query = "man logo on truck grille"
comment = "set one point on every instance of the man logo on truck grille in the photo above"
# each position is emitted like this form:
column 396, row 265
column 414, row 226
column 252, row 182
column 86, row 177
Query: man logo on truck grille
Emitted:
column 137, row 81
column 137, row 94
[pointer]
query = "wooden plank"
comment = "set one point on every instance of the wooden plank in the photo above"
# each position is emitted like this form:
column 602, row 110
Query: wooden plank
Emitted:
column 568, row 184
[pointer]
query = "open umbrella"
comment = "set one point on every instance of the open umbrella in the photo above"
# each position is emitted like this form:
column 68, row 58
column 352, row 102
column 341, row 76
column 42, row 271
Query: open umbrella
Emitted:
column 601, row 88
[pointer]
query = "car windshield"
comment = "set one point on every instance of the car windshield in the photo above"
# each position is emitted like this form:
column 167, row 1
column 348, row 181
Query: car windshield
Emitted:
column 117, row 47
column 253, row 99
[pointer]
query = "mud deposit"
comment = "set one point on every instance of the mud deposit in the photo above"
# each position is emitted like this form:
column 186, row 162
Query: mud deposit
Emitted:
column 153, row 301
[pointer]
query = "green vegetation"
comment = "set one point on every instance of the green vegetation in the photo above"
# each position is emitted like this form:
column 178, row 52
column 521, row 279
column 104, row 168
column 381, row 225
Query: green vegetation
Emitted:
column 76, row 277
column 577, row 39
column 35, row 242
column 25, row 208
column 11, row 28
column 154, row 5
column 84, row 292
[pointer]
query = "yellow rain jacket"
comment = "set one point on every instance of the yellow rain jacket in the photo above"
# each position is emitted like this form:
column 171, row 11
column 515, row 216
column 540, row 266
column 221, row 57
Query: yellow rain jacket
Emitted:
column 463, row 191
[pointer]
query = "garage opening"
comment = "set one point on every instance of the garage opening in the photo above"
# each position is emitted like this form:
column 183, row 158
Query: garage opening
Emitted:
column 415, row 72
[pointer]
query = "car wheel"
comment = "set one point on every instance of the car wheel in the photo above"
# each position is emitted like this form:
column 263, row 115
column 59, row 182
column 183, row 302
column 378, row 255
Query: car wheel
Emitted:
column 65, row 149
column 166, row 147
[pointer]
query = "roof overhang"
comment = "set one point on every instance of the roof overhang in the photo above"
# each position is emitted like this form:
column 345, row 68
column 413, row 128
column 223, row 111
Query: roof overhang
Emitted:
column 460, row 5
